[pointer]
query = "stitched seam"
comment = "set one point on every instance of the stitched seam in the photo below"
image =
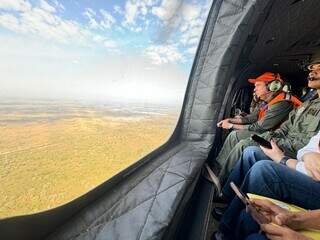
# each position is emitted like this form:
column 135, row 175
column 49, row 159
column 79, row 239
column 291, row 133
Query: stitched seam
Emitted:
column 103, row 223
column 123, row 196
column 139, row 235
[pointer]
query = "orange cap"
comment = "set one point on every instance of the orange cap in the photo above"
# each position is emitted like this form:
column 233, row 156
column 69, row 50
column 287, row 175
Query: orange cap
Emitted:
column 266, row 77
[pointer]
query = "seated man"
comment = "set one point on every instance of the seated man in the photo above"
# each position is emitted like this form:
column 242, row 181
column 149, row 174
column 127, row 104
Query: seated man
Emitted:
column 271, row 113
column 253, row 154
column 292, row 181
column 292, row 135
column 273, row 109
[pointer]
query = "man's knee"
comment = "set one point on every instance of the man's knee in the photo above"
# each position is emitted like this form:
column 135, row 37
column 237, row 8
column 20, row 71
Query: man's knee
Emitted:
column 264, row 170
column 253, row 154
column 244, row 143
column 251, row 150
column 232, row 137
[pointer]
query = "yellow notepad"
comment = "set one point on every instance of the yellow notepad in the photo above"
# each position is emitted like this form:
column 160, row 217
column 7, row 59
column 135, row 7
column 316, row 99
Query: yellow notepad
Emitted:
column 312, row 233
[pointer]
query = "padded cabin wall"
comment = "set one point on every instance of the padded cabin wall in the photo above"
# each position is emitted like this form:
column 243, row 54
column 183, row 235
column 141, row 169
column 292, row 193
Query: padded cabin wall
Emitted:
column 289, row 37
column 285, row 30
column 213, row 74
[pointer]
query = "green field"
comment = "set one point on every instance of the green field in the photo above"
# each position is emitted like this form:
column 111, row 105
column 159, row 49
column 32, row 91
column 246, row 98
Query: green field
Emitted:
column 46, row 161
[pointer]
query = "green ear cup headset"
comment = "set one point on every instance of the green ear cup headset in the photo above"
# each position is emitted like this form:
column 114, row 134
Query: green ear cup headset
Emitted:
column 276, row 84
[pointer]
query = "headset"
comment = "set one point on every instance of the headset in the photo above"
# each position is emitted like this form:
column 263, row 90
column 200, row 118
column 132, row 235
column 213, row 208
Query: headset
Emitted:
column 276, row 84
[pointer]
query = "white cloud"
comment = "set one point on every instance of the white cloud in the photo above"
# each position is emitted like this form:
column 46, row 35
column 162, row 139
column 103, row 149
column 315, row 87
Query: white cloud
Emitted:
column 98, row 38
column 138, row 29
column 90, row 14
column 131, row 10
column 49, row 26
column 137, row 9
column 108, row 19
column 177, row 12
column 110, row 44
column 42, row 21
column 46, row 6
column 118, row 9
column 144, row 10
column 15, row 5
column 58, row 5
column 168, row 10
column 192, row 50
column 160, row 54
column 191, row 12
column 9, row 21
column 186, row 19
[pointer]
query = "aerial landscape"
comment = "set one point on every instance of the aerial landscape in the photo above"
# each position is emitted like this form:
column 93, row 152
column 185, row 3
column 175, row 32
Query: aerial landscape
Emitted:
column 53, row 151
column 87, row 89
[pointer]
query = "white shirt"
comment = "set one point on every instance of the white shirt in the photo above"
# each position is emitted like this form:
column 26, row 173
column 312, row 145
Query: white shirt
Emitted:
column 312, row 146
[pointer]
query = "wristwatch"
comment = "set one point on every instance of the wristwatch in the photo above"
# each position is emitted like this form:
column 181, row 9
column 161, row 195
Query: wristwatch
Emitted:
column 284, row 160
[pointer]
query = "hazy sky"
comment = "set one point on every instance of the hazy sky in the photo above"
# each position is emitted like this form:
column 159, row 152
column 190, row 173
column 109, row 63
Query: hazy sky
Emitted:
column 99, row 49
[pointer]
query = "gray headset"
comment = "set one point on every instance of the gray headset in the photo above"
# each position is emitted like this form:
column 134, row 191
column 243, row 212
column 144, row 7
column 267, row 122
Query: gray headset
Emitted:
column 276, row 84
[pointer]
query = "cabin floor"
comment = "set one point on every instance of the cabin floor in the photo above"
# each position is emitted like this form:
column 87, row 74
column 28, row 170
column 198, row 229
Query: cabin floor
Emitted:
column 213, row 223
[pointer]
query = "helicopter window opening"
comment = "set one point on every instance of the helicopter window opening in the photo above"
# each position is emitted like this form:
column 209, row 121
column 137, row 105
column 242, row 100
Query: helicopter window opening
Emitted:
column 87, row 89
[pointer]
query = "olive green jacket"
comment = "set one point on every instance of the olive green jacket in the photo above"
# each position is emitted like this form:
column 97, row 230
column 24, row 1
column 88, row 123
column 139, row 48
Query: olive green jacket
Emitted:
column 274, row 116
column 302, row 124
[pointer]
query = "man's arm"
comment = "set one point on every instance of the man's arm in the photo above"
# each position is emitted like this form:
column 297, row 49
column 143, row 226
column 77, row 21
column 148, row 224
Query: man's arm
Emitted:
column 230, row 123
column 237, row 122
column 306, row 219
column 276, row 154
column 294, row 220
column 275, row 115
column 312, row 146
column 311, row 162
column 274, row 232
column 251, row 118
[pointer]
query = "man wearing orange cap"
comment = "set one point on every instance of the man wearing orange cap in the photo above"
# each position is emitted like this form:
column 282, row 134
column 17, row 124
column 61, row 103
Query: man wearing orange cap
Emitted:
column 274, row 109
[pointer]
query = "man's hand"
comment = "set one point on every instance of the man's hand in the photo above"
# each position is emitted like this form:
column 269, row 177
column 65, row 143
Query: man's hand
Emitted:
column 275, row 153
column 276, row 214
column 225, row 124
column 272, row 211
column 275, row 232
column 312, row 164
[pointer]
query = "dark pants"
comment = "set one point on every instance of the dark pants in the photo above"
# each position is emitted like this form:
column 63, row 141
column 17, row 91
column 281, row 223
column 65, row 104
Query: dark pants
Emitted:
column 248, row 158
column 273, row 180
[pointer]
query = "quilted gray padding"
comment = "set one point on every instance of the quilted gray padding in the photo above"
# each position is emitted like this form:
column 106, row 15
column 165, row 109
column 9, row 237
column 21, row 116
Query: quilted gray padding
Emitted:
column 143, row 211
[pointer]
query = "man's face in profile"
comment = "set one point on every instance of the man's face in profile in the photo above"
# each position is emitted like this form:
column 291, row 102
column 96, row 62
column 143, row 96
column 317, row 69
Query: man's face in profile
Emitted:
column 314, row 76
column 260, row 89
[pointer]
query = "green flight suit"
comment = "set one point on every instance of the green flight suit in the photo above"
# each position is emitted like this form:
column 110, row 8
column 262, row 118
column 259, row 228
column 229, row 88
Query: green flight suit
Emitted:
column 274, row 116
column 292, row 135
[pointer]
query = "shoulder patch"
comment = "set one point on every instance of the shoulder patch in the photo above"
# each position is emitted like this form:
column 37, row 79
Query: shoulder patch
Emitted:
column 313, row 111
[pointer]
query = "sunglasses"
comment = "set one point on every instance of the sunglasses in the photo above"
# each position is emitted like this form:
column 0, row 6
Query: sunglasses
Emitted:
column 314, row 67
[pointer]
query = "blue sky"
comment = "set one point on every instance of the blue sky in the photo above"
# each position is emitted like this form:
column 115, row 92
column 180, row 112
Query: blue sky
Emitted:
column 63, row 48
